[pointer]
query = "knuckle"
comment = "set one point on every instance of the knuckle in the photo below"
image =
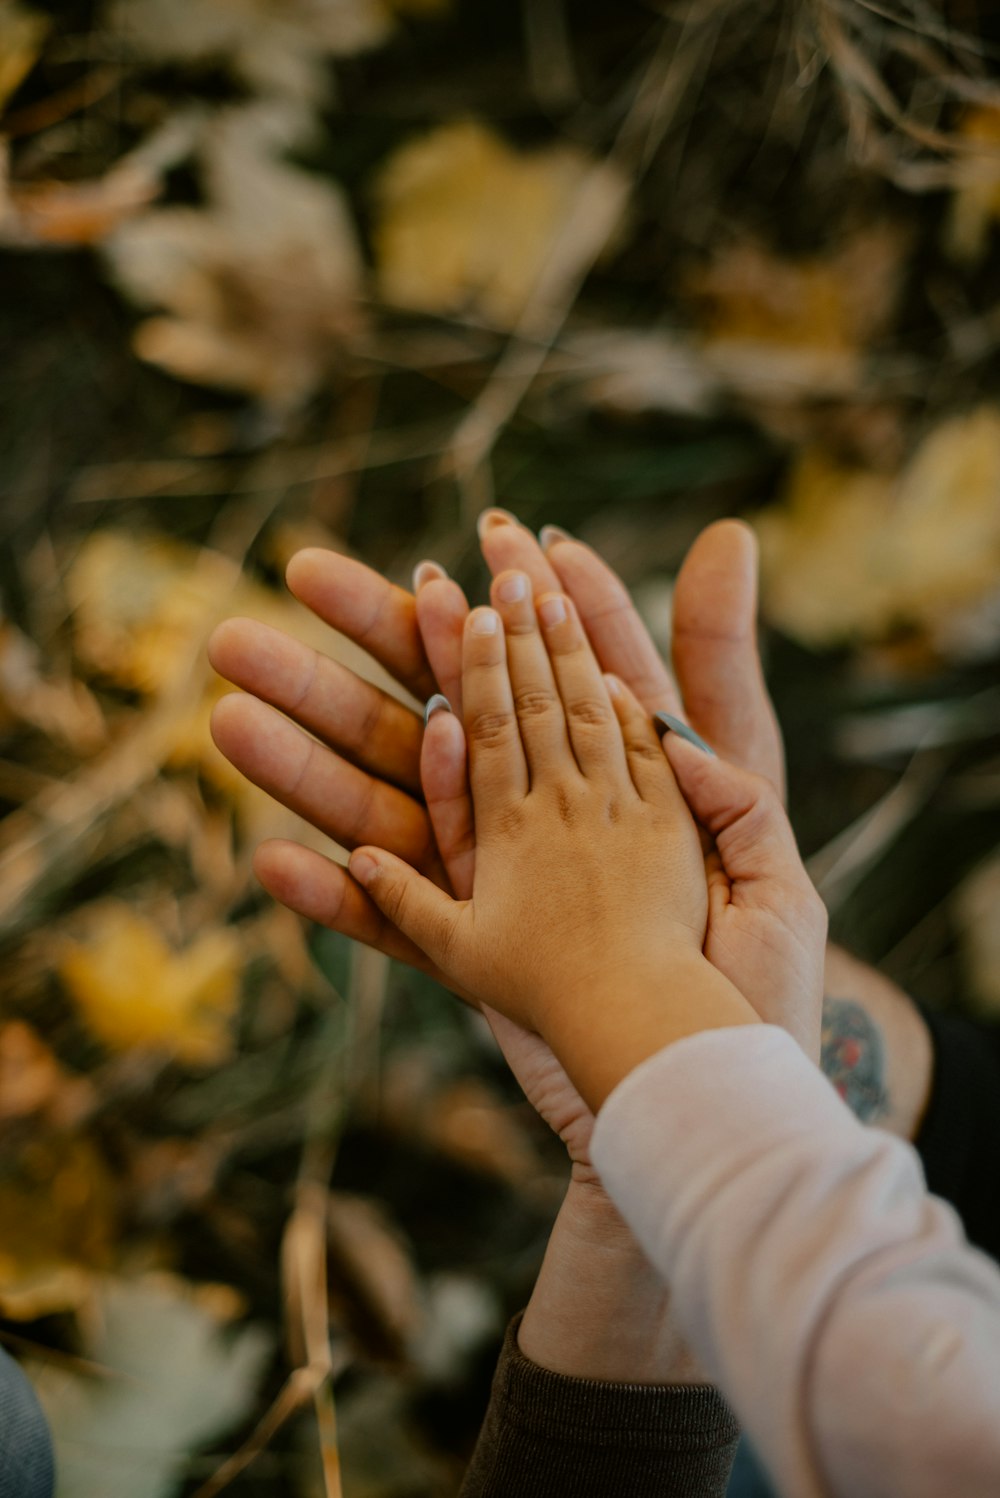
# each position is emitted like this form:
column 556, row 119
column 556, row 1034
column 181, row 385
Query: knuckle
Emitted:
column 534, row 702
column 488, row 730
column 641, row 748
column 394, row 900
column 590, row 712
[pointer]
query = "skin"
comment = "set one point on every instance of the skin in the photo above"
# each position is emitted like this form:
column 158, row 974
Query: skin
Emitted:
column 357, row 776
column 589, row 921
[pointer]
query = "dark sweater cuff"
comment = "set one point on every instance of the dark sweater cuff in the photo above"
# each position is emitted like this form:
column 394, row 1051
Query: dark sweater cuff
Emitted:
column 546, row 1435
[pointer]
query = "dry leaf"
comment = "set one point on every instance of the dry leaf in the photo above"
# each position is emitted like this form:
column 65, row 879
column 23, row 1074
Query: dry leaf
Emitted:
column 22, row 36
column 784, row 329
column 260, row 290
column 372, row 1260
column 976, row 203
column 851, row 555
column 177, row 1377
column 58, row 1208
column 33, row 1081
column 135, row 992
column 63, row 709
column 467, row 224
column 274, row 46
column 631, row 372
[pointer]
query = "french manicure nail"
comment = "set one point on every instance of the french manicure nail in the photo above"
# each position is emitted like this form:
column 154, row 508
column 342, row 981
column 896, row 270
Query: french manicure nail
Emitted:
column 363, row 868
column 667, row 723
column 490, row 518
column 513, row 588
column 484, row 622
column 436, row 704
column 552, row 611
column 427, row 572
column 550, row 534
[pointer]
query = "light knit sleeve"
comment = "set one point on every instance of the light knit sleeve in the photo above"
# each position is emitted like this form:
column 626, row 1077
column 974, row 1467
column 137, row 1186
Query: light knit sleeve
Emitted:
column 837, row 1306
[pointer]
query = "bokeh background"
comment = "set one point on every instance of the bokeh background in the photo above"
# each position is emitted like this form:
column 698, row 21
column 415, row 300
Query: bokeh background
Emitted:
column 343, row 272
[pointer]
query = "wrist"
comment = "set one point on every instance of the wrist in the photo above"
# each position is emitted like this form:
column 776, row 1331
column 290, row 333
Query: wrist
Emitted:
column 624, row 1017
column 599, row 1310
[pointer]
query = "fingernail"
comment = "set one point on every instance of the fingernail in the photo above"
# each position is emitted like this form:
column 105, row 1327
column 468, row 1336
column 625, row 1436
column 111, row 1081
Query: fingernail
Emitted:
column 550, row 534
column 484, row 622
column 490, row 518
column 552, row 611
column 427, row 572
column 613, row 685
column 667, row 723
column 363, row 868
column 436, row 704
column 512, row 589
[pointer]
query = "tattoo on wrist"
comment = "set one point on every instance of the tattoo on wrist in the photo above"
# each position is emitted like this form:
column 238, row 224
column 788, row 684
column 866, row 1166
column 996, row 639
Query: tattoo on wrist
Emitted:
column 853, row 1057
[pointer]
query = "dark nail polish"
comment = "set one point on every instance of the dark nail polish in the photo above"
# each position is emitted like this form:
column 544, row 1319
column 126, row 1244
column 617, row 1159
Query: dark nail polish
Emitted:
column 436, row 704
column 667, row 723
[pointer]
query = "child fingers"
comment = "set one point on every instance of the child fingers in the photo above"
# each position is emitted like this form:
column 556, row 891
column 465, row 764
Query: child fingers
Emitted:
column 539, row 709
column 590, row 719
column 651, row 774
column 441, row 614
column 497, row 768
column 444, row 776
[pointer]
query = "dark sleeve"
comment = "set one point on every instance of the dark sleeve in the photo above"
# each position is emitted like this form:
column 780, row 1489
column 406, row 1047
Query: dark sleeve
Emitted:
column 959, row 1138
column 549, row 1436
column 26, row 1465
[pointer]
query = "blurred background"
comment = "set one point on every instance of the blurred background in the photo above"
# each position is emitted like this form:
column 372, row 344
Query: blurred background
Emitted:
column 343, row 272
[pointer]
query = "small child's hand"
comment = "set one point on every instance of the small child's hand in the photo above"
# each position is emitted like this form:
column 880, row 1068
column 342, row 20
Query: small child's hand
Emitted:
column 589, row 901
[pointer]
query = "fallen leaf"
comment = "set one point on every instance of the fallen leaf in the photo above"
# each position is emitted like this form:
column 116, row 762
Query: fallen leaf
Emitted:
column 33, row 1080
column 274, row 46
column 22, row 36
column 850, row 555
column 467, row 224
column 632, row 372
column 777, row 328
column 260, row 290
column 58, row 1204
column 60, row 707
column 975, row 205
column 135, row 992
column 177, row 1377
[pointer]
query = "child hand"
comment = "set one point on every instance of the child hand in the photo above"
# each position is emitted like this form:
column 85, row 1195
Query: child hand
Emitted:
column 589, row 901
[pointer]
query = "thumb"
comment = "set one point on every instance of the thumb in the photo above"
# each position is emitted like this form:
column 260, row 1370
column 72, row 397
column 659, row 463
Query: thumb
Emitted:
column 414, row 905
column 741, row 810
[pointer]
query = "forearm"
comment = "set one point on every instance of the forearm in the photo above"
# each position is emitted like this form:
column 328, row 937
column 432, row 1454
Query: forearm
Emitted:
column 877, row 1049
column 599, row 1310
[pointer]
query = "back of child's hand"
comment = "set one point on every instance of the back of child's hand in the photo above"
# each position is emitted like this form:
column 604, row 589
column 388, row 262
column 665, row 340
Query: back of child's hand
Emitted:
column 589, row 878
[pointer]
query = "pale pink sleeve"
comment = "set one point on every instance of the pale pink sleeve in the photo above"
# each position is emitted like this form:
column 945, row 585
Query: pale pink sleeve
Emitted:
column 835, row 1303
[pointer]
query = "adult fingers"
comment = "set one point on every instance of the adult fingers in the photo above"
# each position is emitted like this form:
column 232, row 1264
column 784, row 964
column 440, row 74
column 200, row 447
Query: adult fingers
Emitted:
column 540, row 714
column 497, row 767
column 508, row 546
column 342, row 801
column 620, row 640
column 441, row 614
column 322, row 891
column 444, row 773
column 371, row 611
column 352, row 716
column 590, row 719
column 715, row 654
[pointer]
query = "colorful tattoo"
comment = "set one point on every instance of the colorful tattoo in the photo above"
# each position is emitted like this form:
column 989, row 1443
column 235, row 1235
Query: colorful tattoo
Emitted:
column 853, row 1057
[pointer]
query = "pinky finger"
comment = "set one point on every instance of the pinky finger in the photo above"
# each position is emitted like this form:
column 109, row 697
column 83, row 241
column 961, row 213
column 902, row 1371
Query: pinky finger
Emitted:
column 651, row 774
column 320, row 890
column 444, row 778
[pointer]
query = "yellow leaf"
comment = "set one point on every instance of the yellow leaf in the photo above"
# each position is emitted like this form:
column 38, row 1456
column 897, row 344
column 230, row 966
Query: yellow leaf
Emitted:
column 467, row 224
column 782, row 328
column 22, row 35
column 136, row 992
column 58, row 1208
column 850, row 555
column 976, row 203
